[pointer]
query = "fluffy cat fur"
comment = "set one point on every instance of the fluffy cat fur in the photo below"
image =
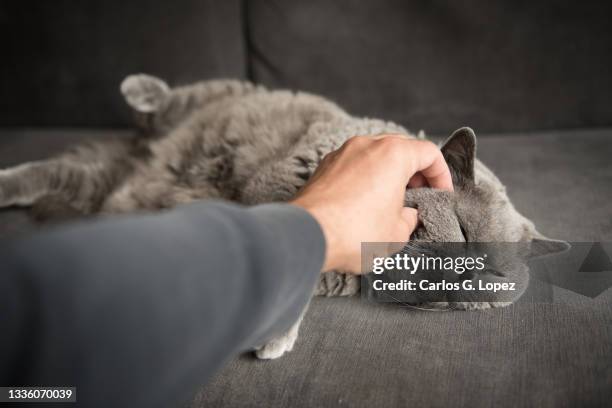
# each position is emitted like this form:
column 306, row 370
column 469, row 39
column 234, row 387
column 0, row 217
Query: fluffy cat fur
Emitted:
column 238, row 141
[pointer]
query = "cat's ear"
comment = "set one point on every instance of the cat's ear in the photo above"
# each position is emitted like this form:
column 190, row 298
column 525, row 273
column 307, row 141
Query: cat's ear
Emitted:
column 459, row 151
column 541, row 245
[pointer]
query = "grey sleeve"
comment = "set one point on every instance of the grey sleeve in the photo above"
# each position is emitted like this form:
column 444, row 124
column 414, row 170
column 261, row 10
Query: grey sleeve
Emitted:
column 141, row 310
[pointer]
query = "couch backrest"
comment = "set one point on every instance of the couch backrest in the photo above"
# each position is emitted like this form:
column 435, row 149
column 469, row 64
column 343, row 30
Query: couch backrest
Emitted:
column 63, row 60
column 440, row 64
column 494, row 65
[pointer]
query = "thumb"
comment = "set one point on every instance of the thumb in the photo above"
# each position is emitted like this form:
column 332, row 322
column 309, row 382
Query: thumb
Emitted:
column 410, row 220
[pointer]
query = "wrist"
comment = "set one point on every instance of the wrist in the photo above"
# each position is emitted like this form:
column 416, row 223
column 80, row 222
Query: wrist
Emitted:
column 333, row 257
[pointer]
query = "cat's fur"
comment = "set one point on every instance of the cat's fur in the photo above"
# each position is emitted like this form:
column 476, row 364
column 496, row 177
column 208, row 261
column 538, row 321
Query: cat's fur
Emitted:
column 237, row 141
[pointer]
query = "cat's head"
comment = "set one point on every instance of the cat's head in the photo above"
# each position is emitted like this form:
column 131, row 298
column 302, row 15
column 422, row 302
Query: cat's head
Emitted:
column 477, row 211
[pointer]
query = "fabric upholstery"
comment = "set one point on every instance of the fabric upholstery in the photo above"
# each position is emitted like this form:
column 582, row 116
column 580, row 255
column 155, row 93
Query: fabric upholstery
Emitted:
column 58, row 54
column 436, row 65
column 356, row 354
column 498, row 66
column 359, row 354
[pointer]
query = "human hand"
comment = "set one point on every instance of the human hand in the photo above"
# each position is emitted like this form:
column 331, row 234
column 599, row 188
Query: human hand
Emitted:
column 357, row 193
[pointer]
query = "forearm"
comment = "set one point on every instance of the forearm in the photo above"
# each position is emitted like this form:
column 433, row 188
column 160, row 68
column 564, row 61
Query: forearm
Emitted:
column 149, row 306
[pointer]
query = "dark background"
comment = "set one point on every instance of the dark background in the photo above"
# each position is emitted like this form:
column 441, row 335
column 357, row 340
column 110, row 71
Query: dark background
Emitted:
column 497, row 66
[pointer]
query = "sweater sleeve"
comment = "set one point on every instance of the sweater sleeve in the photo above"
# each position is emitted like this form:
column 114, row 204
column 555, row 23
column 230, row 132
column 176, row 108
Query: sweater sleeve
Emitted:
column 140, row 310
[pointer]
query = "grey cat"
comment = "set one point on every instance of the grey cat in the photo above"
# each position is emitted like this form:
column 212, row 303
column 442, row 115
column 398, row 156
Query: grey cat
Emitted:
column 238, row 141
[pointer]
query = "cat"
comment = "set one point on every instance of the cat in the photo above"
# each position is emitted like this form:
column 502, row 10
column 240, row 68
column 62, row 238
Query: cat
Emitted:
column 234, row 140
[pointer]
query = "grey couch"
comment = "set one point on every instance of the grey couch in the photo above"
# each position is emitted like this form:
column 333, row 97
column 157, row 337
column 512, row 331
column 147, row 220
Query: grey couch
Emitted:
column 532, row 79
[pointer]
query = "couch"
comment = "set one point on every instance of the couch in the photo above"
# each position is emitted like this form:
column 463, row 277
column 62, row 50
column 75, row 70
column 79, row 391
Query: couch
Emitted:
column 532, row 79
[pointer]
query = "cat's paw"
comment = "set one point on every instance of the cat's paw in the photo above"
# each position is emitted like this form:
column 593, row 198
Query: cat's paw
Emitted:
column 480, row 305
column 144, row 93
column 276, row 347
column 439, row 306
column 338, row 284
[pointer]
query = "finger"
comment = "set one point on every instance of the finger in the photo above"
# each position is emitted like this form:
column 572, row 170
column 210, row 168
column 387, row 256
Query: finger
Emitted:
column 430, row 162
column 417, row 181
column 391, row 135
column 329, row 157
column 410, row 221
